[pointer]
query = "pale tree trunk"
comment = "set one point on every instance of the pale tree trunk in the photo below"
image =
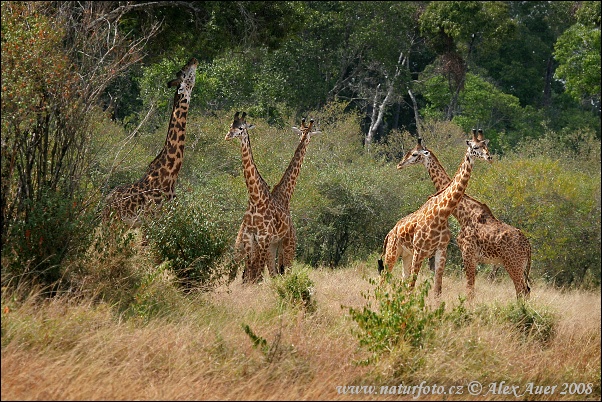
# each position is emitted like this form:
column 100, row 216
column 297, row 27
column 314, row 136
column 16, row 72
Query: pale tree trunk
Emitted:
column 378, row 111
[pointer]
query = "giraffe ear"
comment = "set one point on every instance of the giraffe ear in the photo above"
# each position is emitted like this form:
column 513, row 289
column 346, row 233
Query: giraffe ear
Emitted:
column 174, row 83
column 297, row 131
column 468, row 142
column 250, row 126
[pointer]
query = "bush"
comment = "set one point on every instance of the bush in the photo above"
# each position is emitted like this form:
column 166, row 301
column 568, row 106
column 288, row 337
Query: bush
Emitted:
column 400, row 319
column 187, row 236
column 531, row 323
column 296, row 289
column 38, row 245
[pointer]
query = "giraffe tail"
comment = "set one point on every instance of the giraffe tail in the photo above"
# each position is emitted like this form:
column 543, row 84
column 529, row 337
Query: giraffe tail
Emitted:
column 381, row 265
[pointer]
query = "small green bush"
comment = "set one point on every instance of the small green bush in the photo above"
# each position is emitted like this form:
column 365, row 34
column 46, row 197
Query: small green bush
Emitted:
column 538, row 324
column 296, row 289
column 54, row 228
column 400, row 319
column 187, row 236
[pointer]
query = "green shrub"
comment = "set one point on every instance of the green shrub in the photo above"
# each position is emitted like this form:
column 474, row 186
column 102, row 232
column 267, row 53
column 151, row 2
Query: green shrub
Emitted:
column 296, row 289
column 185, row 234
column 538, row 324
column 400, row 319
column 153, row 296
column 36, row 246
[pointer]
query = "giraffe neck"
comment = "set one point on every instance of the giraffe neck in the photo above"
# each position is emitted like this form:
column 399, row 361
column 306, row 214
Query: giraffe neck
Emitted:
column 437, row 173
column 163, row 170
column 453, row 193
column 283, row 191
column 440, row 178
column 257, row 186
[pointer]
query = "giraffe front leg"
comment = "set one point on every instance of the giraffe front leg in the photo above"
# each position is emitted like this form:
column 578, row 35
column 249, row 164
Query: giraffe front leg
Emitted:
column 440, row 258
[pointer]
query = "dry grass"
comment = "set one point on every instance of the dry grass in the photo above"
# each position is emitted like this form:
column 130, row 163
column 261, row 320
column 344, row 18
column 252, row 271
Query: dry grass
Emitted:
column 62, row 349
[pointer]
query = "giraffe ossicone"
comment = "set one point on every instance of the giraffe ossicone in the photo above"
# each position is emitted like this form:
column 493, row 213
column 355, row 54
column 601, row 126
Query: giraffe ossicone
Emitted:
column 130, row 203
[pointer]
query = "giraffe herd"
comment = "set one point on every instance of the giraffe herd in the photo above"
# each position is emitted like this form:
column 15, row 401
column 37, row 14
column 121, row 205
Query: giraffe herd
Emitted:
column 267, row 237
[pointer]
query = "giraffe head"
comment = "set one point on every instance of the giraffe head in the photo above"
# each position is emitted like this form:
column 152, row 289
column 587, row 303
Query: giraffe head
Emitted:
column 186, row 78
column 478, row 146
column 305, row 129
column 239, row 126
column 418, row 154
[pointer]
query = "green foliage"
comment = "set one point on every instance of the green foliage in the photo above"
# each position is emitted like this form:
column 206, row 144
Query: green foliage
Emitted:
column 296, row 289
column 153, row 295
column 578, row 54
column 259, row 342
column 185, row 235
column 532, row 323
column 38, row 245
column 481, row 104
column 589, row 13
column 271, row 350
column 401, row 316
column 451, row 19
column 560, row 215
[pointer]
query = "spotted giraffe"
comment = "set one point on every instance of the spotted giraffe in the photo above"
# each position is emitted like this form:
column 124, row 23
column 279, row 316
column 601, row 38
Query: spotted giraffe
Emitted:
column 283, row 191
column 425, row 232
column 482, row 238
column 131, row 202
column 266, row 222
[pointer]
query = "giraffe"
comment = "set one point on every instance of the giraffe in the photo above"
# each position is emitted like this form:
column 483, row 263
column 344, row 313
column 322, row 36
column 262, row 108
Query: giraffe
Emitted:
column 265, row 223
column 131, row 202
column 425, row 231
column 483, row 238
column 283, row 191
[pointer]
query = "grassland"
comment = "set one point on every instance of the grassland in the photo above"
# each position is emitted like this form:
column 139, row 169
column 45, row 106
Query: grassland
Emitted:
column 195, row 346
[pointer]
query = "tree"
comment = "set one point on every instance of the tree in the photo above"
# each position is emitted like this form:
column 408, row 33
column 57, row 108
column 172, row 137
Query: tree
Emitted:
column 577, row 51
column 457, row 29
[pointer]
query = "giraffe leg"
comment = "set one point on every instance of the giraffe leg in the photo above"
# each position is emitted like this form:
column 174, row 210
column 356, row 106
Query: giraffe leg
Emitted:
column 440, row 258
column 470, row 269
column 417, row 260
column 275, row 252
column 516, row 272
column 257, row 266
column 288, row 250
column 392, row 252
column 469, row 260
column 406, row 258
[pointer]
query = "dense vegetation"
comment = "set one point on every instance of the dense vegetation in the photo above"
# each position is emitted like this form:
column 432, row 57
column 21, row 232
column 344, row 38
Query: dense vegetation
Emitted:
column 97, row 312
column 85, row 107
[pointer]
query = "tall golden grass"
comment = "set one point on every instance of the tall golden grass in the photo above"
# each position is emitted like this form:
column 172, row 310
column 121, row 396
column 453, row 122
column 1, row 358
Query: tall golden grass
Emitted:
column 63, row 348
